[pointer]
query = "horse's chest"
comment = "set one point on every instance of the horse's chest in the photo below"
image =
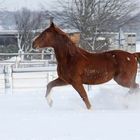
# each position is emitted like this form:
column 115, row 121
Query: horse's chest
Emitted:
column 63, row 72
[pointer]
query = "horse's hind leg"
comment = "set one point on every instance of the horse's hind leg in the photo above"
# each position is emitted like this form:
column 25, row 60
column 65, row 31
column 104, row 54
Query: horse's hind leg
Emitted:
column 134, row 86
column 80, row 89
column 126, row 80
column 54, row 83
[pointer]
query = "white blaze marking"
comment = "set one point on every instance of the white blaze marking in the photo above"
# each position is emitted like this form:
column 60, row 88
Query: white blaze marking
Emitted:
column 113, row 56
column 128, row 58
column 49, row 100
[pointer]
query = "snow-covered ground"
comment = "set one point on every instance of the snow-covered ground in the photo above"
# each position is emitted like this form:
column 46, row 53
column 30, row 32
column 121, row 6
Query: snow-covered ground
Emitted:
column 25, row 114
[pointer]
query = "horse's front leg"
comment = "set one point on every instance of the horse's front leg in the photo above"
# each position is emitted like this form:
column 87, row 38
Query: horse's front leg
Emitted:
column 54, row 83
column 80, row 89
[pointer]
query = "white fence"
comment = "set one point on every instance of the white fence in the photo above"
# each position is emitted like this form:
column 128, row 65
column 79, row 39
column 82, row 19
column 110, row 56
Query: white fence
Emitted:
column 18, row 73
column 32, row 77
column 27, row 77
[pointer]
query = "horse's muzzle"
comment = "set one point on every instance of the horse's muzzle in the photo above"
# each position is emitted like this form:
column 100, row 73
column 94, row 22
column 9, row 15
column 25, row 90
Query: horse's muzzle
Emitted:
column 33, row 45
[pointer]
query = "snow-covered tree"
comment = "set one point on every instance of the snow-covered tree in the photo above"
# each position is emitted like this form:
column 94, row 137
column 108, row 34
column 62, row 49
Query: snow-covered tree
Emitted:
column 27, row 23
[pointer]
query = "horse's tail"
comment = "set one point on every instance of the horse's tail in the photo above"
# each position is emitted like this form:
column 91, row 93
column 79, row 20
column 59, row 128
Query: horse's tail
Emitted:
column 137, row 54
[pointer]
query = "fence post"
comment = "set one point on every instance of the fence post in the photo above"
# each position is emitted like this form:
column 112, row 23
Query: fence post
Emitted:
column 21, row 54
column 42, row 55
column 8, row 76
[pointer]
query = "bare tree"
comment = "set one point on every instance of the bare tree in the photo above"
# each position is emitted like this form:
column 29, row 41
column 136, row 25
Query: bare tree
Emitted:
column 92, row 16
column 27, row 23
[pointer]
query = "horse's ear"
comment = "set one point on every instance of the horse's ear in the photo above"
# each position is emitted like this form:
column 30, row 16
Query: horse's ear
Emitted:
column 52, row 24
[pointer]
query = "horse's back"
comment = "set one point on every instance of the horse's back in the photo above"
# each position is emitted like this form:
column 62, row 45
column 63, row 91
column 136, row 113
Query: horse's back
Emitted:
column 115, row 58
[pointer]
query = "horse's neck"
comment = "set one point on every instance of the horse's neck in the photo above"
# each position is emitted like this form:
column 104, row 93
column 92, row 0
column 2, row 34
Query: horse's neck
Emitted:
column 63, row 52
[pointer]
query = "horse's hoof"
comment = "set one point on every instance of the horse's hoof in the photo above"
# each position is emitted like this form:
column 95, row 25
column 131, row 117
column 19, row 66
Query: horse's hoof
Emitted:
column 49, row 101
column 91, row 108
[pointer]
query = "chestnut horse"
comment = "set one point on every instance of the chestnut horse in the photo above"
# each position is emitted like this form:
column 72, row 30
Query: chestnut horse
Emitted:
column 77, row 66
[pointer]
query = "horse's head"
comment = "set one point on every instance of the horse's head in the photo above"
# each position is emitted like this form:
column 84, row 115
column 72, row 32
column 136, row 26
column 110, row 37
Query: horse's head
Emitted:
column 44, row 39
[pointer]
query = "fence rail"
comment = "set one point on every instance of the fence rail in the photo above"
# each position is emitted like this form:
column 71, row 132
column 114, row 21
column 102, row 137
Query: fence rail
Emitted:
column 13, row 54
column 37, row 69
column 20, row 56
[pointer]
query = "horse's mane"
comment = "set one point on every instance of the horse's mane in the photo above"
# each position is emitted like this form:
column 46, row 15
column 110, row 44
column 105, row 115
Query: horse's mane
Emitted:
column 70, row 45
column 65, row 36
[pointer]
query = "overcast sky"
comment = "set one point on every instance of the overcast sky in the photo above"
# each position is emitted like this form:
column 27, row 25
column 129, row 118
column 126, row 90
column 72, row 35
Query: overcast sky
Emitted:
column 31, row 4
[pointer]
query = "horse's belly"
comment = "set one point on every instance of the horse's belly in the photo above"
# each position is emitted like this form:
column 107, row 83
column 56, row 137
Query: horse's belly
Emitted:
column 97, row 78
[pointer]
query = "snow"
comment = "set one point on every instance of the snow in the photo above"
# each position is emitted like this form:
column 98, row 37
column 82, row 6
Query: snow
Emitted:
column 25, row 114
